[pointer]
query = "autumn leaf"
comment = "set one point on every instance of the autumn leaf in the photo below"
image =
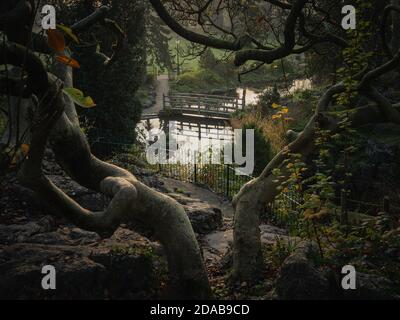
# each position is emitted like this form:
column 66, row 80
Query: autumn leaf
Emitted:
column 25, row 149
column 68, row 61
column 56, row 40
column 288, row 119
column 309, row 213
column 68, row 31
column 275, row 106
column 79, row 98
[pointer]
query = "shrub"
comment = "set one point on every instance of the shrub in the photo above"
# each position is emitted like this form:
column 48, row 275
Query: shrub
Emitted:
column 262, row 147
column 272, row 131
column 267, row 99
column 202, row 80
column 208, row 60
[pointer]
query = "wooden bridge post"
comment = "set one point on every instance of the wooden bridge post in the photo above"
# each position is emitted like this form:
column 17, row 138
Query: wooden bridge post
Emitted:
column 163, row 101
column 198, row 104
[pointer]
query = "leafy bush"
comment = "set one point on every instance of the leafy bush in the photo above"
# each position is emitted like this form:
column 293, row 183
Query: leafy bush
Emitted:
column 207, row 60
column 267, row 99
column 272, row 131
column 202, row 80
column 113, row 88
column 303, row 96
column 262, row 148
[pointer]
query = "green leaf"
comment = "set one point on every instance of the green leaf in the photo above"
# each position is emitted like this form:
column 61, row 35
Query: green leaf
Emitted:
column 79, row 98
column 68, row 31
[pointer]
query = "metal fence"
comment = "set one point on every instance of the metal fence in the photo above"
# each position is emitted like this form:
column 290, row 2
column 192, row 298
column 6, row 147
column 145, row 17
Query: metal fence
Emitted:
column 220, row 178
column 285, row 211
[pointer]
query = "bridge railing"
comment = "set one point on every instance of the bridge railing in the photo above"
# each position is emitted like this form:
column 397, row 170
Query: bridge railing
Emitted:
column 203, row 104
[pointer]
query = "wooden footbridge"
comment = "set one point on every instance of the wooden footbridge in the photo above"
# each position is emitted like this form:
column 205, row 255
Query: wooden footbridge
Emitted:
column 214, row 106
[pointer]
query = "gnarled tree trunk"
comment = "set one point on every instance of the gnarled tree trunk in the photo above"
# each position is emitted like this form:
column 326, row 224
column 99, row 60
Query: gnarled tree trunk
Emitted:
column 55, row 121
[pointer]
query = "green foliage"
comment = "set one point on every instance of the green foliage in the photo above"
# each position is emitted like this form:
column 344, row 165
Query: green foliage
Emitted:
column 208, row 60
column 213, row 73
column 262, row 148
column 268, row 98
column 281, row 250
column 202, row 80
column 317, row 186
column 157, row 39
column 78, row 97
column 304, row 96
column 113, row 87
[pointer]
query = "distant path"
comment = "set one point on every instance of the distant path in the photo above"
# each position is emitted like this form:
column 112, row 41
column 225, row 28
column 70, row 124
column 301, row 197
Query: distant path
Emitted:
column 161, row 88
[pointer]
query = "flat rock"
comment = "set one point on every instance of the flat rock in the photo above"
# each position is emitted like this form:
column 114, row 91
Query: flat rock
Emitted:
column 217, row 244
column 204, row 217
column 81, row 272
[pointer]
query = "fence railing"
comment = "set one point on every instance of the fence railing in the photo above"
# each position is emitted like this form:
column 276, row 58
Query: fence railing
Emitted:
column 220, row 178
column 286, row 210
column 223, row 180
column 202, row 104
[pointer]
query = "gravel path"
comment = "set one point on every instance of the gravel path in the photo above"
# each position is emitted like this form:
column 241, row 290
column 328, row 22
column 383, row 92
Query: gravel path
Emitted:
column 162, row 88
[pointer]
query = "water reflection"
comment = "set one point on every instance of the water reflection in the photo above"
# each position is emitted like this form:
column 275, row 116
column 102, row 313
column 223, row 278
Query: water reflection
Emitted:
column 191, row 136
column 252, row 96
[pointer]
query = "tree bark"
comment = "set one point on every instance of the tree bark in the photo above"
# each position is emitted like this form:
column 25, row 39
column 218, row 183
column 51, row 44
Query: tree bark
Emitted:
column 55, row 120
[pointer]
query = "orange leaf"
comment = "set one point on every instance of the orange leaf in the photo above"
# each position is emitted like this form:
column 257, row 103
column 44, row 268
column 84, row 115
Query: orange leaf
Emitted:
column 68, row 61
column 56, row 40
column 25, row 149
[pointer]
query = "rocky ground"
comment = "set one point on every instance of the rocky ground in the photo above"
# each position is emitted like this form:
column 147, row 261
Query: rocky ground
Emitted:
column 128, row 265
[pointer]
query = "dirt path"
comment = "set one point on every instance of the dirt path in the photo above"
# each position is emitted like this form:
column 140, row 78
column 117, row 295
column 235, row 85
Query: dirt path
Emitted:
column 162, row 88
column 201, row 194
column 215, row 244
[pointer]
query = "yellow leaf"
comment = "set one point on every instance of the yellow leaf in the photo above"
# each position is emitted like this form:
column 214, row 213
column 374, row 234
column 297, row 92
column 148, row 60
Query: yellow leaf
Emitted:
column 68, row 31
column 89, row 103
column 275, row 105
column 285, row 110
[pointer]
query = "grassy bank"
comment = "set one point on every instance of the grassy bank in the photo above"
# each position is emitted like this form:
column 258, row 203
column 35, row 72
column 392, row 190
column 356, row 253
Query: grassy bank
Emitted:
column 213, row 72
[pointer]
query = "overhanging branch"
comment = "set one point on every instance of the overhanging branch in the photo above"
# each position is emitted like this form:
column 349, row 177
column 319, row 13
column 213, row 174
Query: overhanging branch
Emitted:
column 190, row 35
